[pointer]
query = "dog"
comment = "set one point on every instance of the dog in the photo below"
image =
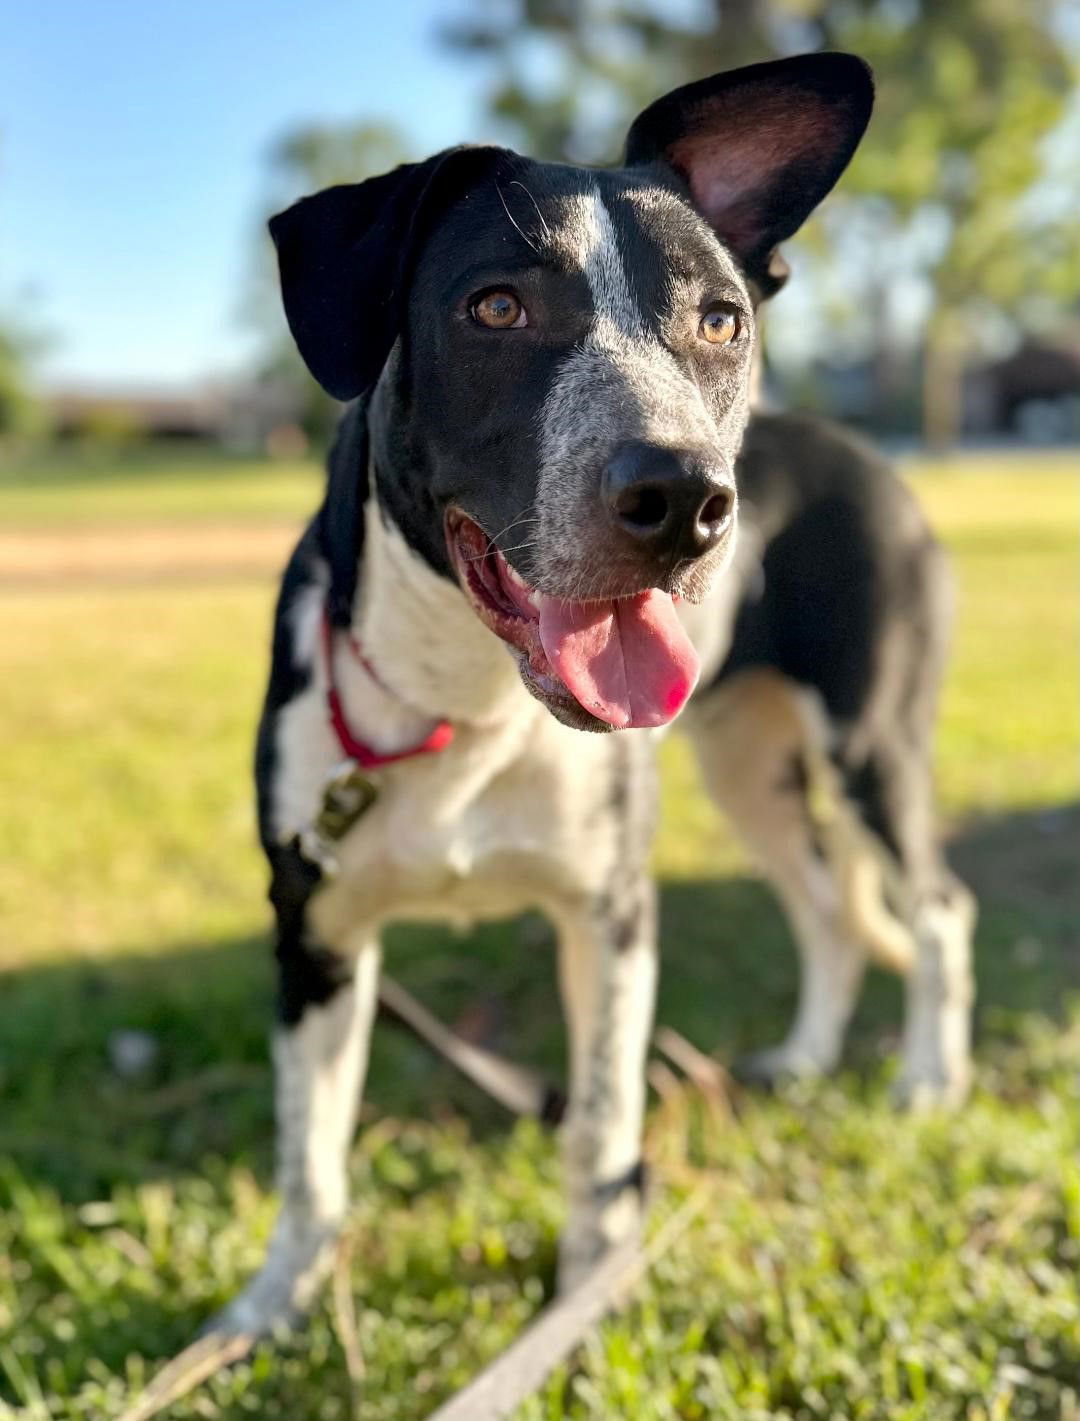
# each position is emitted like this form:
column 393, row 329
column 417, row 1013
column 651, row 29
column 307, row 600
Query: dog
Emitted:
column 529, row 534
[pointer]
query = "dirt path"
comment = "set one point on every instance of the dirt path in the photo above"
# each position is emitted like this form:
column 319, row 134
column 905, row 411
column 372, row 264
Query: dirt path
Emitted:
column 141, row 553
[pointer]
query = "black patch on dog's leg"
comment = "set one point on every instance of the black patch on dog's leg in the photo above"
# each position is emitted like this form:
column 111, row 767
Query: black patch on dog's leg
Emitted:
column 308, row 973
column 626, row 910
column 870, row 791
column 636, row 1178
column 620, row 913
column 796, row 779
column 625, row 931
column 553, row 1106
column 629, row 914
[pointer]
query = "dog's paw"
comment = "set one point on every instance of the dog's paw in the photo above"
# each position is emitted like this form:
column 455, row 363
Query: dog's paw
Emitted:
column 933, row 1087
column 776, row 1065
column 576, row 1264
column 591, row 1234
column 283, row 1292
column 936, row 1071
column 255, row 1313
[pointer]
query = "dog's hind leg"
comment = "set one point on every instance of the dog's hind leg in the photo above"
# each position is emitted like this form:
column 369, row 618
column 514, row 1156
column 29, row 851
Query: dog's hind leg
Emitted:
column 940, row 983
column 326, row 1005
column 607, row 975
column 761, row 741
column 853, row 858
column 892, row 785
column 894, row 793
column 940, row 991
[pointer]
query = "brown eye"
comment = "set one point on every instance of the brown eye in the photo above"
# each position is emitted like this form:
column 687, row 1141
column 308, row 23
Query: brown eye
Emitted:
column 499, row 310
column 719, row 327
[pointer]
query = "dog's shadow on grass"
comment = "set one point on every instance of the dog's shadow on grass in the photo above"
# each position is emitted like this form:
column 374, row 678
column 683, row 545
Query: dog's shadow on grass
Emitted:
column 80, row 1113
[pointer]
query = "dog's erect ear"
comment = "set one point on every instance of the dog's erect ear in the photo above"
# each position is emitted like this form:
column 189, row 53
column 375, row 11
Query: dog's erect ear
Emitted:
column 759, row 148
column 345, row 256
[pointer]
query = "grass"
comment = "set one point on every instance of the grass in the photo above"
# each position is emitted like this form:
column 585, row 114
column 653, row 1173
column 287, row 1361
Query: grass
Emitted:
column 851, row 1264
column 82, row 489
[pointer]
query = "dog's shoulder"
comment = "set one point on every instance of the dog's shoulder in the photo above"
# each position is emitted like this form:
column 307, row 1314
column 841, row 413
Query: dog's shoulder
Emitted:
column 326, row 557
column 797, row 467
column 339, row 523
column 801, row 457
column 321, row 572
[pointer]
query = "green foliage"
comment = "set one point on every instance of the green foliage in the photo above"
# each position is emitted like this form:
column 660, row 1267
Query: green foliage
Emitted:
column 21, row 413
column 319, row 155
column 953, row 183
column 109, row 428
column 851, row 1263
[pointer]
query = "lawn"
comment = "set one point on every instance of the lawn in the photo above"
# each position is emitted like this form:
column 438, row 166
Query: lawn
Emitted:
column 851, row 1263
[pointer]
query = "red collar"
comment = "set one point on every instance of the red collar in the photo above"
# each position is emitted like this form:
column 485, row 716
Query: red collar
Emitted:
column 363, row 754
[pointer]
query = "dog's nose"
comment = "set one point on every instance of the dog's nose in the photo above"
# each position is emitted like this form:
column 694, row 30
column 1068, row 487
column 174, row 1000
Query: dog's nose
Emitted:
column 674, row 503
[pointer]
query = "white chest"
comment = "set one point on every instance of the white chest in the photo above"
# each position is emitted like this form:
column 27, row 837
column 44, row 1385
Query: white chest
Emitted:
column 493, row 825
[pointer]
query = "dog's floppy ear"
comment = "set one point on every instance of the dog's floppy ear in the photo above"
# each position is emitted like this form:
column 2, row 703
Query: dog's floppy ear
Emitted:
column 759, row 148
column 345, row 256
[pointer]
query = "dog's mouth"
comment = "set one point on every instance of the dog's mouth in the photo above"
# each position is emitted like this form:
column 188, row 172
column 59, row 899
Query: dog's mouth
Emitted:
column 624, row 661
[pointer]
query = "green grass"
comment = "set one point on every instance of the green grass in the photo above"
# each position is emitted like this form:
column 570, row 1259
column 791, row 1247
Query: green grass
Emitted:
column 852, row 1264
column 78, row 488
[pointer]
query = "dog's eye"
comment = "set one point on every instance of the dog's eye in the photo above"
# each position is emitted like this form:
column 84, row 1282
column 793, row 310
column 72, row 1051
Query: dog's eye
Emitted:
column 720, row 326
column 499, row 311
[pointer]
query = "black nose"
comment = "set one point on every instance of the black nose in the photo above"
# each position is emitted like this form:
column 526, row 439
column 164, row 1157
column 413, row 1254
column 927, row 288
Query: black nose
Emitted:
column 674, row 503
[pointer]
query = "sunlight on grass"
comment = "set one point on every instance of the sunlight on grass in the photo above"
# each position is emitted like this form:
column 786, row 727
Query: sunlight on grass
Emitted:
column 136, row 487
column 134, row 723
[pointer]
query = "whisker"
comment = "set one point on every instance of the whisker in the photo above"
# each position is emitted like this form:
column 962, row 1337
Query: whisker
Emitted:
column 521, row 519
column 528, row 242
column 543, row 220
column 514, row 548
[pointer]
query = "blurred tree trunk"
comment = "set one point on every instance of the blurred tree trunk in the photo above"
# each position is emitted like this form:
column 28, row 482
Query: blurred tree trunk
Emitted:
column 885, row 362
column 943, row 375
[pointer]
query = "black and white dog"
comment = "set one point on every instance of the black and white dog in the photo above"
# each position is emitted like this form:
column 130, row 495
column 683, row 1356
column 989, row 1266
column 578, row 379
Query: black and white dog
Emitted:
column 530, row 509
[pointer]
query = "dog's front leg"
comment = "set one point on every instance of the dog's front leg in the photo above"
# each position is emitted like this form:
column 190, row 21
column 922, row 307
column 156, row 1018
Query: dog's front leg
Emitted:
column 607, row 971
column 326, row 1007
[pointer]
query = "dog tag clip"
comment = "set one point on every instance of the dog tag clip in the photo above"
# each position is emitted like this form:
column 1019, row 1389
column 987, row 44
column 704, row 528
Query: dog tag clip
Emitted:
column 347, row 796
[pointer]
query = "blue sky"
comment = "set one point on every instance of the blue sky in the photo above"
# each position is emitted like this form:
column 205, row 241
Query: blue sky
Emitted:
column 133, row 138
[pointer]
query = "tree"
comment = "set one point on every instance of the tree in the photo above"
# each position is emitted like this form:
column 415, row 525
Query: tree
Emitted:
column 21, row 341
column 945, row 198
column 22, row 414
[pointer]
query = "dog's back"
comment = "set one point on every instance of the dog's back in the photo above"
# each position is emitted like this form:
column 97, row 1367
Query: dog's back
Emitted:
column 852, row 594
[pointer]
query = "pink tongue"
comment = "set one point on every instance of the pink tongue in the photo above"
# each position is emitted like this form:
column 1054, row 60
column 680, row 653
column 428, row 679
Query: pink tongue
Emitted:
column 629, row 662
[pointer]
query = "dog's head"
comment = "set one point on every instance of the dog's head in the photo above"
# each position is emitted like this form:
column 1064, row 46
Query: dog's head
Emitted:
column 560, row 359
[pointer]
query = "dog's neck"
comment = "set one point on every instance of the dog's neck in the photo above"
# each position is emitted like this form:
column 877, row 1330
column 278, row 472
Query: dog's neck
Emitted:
column 430, row 656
